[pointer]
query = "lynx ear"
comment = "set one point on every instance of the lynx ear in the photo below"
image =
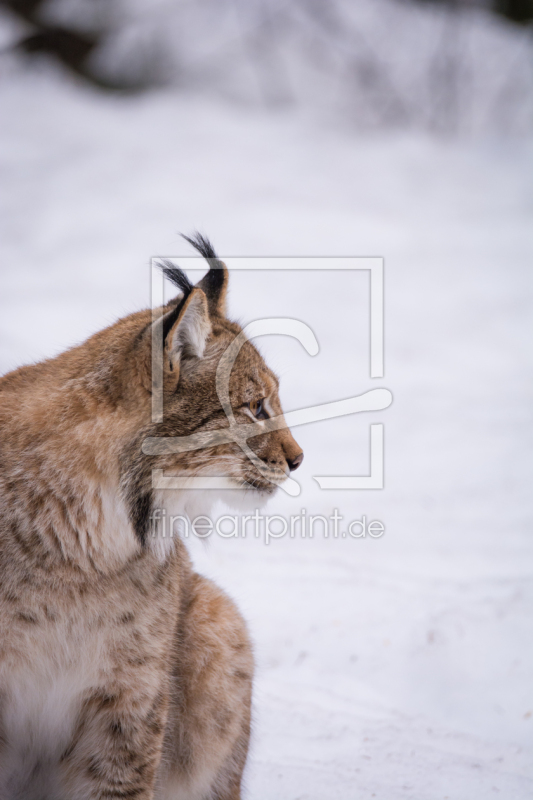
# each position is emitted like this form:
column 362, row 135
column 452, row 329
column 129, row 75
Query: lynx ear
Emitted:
column 215, row 283
column 215, row 286
column 179, row 334
column 186, row 328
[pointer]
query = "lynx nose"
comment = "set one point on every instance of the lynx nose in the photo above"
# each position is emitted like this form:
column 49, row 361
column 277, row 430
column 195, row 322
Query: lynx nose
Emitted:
column 295, row 462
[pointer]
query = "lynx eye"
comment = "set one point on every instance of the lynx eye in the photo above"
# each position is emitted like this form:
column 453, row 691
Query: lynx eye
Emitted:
column 257, row 409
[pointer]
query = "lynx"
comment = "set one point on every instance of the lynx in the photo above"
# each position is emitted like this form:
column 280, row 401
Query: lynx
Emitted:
column 123, row 673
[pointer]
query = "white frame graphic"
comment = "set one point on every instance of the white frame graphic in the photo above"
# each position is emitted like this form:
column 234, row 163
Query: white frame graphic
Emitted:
column 373, row 400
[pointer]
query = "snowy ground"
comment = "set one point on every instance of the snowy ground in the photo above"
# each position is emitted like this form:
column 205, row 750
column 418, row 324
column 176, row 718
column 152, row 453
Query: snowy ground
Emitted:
column 392, row 668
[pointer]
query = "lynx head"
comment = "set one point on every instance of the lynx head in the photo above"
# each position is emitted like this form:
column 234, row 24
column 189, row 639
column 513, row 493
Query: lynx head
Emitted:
column 212, row 380
column 82, row 447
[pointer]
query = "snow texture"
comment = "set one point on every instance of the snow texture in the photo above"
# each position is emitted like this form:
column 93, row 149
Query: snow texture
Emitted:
column 368, row 64
column 397, row 667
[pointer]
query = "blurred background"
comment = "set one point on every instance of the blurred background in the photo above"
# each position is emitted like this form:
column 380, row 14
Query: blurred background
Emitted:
column 399, row 667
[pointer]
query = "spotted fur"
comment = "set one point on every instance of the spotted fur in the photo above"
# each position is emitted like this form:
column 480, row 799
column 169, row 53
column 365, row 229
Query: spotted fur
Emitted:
column 123, row 673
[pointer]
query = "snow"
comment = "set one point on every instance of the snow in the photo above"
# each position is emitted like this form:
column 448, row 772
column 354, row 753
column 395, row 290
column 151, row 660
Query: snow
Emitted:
column 397, row 667
column 372, row 63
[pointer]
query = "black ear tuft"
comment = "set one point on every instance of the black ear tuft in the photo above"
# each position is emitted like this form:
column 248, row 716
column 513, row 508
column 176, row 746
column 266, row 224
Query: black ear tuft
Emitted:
column 215, row 282
column 177, row 276
column 179, row 279
column 202, row 245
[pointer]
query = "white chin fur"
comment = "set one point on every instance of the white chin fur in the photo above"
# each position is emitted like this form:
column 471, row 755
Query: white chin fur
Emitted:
column 243, row 499
column 174, row 504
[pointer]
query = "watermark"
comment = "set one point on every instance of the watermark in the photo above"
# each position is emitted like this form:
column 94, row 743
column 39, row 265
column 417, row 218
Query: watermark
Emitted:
column 266, row 527
column 375, row 399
